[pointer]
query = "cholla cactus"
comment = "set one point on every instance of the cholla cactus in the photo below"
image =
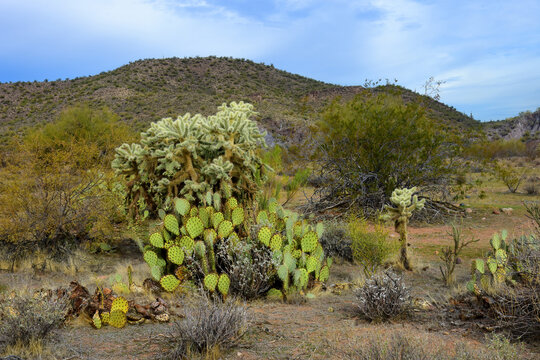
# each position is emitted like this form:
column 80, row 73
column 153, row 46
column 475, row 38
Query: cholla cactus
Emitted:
column 192, row 156
column 404, row 204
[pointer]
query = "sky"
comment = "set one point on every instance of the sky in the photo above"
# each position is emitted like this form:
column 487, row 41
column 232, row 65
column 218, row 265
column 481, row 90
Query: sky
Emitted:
column 487, row 53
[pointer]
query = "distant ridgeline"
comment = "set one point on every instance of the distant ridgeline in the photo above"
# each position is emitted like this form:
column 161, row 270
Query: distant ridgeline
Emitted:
column 148, row 90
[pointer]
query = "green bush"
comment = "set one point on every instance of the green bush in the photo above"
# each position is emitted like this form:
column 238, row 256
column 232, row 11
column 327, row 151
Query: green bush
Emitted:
column 370, row 248
column 378, row 142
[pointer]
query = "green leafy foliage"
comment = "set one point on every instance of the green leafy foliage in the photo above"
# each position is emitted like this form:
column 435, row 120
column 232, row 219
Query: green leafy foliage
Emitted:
column 376, row 143
column 370, row 248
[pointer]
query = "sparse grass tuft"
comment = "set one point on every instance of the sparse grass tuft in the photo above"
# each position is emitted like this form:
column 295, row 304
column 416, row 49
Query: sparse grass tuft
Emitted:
column 28, row 322
column 208, row 328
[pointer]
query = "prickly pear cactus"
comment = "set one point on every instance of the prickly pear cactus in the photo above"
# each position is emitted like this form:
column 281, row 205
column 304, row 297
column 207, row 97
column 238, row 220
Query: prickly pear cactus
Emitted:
column 190, row 255
column 202, row 159
column 405, row 202
column 296, row 248
column 495, row 269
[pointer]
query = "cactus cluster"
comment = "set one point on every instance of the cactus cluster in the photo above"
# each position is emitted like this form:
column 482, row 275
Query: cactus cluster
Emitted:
column 116, row 317
column 405, row 202
column 495, row 269
column 189, row 236
column 296, row 249
column 190, row 233
column 191, row 157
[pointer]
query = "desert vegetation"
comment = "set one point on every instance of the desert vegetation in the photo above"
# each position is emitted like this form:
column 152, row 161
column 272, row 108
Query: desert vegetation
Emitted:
column 385, row 234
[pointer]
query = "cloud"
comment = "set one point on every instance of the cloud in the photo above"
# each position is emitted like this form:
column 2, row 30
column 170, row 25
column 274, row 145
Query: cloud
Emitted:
column 487, row 51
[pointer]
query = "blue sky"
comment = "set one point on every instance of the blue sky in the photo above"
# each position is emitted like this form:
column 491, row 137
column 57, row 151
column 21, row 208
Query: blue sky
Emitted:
column 488, row 52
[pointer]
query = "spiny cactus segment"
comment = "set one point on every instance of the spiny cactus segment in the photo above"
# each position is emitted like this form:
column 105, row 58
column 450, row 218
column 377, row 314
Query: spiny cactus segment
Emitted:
column 201, row 159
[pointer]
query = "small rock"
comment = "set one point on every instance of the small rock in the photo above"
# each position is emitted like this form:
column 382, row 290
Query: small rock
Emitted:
column 507, row 211
column 159, row 310
column 468, row 210
column 483, row 218
column 163, row 317
column 458, row 260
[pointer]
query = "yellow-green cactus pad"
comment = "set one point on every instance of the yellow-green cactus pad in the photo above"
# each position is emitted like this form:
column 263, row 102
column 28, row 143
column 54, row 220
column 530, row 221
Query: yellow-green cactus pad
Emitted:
column 194, row 211
column 274, row 294
column 232, row 203
column 237, row 216
column 200, row 248
column 309, row 241
column 275, row 242
column 96, row 320
column 204, row 216
column 156, row 240
column 194, row 227
column 105, row 318
column 272, row 205
column 211, row 281
column 171, row 223
column 150, row 257
column 223, row 284
column 264, row 235
column 182, row 206
column 169, row 283
column 262, row 217
column 297, row 254
column 156, row 272
column 120, row 303
column 217, row 218
column 324, row 273
column 210, row 236
column 117, row 319
column 312, row 263
column 283, row 272
column 187, row 244
column 301, row 278
column 175, row 254
column 225, row 229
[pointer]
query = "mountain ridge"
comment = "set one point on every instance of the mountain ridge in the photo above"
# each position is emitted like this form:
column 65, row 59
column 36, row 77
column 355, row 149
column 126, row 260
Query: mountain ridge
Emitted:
column 147, row 90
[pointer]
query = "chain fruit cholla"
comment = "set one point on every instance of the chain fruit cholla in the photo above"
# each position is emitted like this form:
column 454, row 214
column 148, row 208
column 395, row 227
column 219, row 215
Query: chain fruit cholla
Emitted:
column 404, row 204
column 194, row 157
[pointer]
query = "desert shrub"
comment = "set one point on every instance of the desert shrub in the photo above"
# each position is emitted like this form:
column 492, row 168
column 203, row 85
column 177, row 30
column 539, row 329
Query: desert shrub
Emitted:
column 193, row 156
column 207, row 328
column 495, row 149
column 52, row 209
column 57, row 189
column 532, row 188
column 384, row 296
column 24, row 320
column 533, row 213
column 98, row 130
column 358, row 158
column 250, row 266
column 509, row 174
column 336, row 241
column 370, row 248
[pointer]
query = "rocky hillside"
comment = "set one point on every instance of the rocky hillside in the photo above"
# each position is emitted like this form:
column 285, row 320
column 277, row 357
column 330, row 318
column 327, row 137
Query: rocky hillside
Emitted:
column 147, row 90
column 526, row 125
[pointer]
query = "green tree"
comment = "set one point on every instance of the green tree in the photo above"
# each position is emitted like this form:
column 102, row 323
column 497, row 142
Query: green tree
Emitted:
column 375, row 143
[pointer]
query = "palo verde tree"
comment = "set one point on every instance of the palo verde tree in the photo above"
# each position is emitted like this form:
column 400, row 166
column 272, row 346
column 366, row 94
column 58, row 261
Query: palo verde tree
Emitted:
column 375, row 143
